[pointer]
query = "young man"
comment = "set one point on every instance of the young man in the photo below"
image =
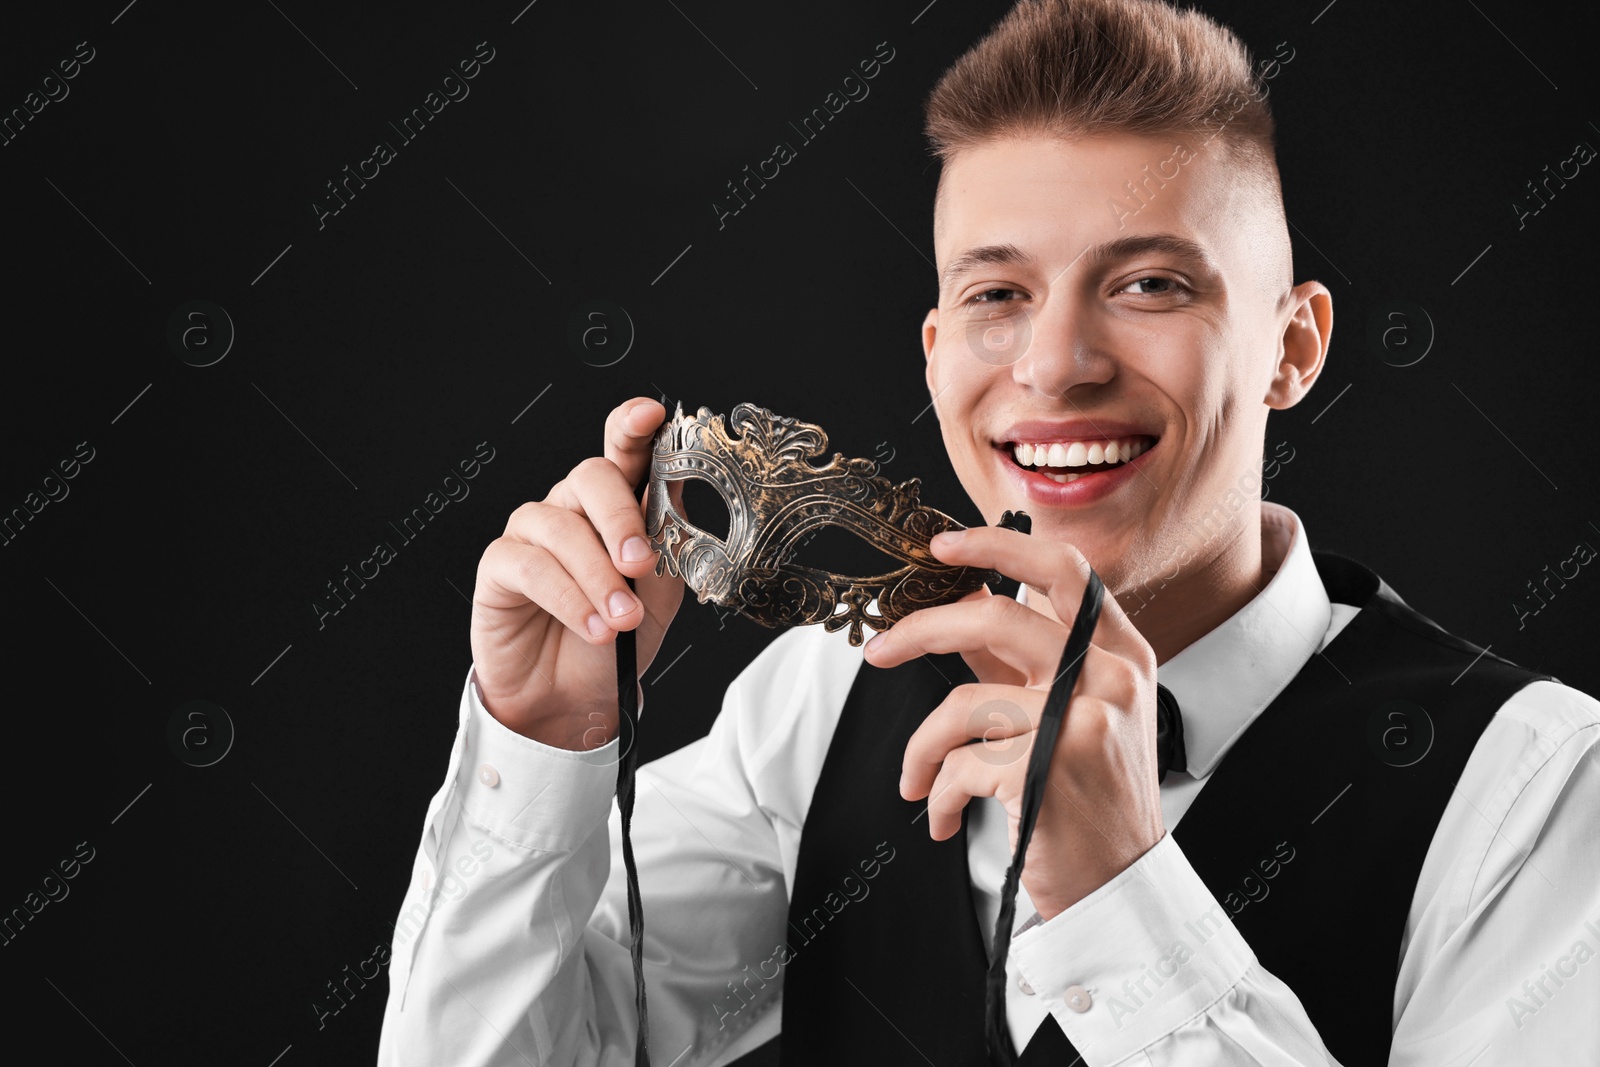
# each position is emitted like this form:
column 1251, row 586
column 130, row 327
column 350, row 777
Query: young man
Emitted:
column 1116, row 318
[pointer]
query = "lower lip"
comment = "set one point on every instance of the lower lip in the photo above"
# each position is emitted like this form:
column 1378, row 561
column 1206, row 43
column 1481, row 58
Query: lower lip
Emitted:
column 1090, row 489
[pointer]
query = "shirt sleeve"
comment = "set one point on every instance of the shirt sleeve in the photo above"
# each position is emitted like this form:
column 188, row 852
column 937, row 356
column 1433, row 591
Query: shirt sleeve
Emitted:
column 1151, row 963
column 1502, row 958
column 512, row 945
column 1499, row 963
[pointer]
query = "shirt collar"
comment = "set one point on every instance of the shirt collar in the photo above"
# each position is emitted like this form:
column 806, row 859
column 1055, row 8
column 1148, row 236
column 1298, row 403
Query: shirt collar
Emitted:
column 1228, row 677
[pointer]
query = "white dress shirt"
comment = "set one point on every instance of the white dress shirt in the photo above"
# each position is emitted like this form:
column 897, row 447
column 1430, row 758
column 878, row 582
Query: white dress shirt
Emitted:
column 512, row 945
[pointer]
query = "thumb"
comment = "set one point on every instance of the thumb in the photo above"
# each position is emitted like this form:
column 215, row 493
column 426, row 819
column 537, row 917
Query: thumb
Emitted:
column 660, row 592
column 630, row 436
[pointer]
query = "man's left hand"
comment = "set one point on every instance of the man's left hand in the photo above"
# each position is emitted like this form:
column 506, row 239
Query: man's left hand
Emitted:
column 1102, row 808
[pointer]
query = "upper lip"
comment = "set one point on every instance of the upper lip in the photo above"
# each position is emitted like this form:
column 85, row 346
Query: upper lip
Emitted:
column 1047, row 430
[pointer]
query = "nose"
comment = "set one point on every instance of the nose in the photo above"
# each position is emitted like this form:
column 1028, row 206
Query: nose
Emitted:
column 1067, row 349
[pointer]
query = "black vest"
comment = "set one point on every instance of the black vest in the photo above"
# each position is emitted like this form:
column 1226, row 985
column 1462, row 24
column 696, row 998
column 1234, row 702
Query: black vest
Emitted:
column 1346, row 773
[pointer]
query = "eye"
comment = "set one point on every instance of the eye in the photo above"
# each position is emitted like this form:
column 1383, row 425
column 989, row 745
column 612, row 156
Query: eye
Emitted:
column 1172, row 286
column 997, row 295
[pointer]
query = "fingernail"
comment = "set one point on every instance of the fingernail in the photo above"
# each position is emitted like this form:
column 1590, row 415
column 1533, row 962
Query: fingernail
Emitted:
column 902, row 785
column 875, row 644
column 596, row 625
column 620, row 604
column 948, row 538
column 635, row 548
column 634, row 413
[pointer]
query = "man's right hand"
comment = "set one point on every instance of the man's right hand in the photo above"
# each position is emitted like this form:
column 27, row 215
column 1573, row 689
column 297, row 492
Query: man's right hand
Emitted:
column 550, row 595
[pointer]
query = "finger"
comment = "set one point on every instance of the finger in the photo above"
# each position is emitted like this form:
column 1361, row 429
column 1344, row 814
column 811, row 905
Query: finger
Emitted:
column 985, row 666
column 573, row 545
column 1018, row 644
column 512, row 574
column 598, row 490
column 999, row 718
column 1056, row 567
column 983, row 716
column 961, row 778
column 630, row 432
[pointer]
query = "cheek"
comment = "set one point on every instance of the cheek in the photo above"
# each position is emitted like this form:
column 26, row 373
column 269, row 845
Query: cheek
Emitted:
column 942, row 363
column 1212, row 400
column 1204, row 387
column 956, row 383
column 1235, row 394
column 960, row 388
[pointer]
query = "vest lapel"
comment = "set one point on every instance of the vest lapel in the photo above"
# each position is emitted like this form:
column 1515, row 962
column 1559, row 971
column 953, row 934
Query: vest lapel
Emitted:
column 898, row 969
column 1314, row 828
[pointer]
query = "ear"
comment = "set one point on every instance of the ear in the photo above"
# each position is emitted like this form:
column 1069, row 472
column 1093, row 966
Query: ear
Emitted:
column 1305, row 345
column 930, row 331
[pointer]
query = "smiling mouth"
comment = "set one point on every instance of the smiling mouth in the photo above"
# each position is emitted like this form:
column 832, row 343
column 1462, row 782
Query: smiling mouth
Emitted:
column 1069, row 460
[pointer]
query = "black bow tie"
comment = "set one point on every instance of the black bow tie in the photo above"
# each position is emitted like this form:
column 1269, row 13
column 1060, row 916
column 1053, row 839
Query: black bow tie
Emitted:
column 1170, row 754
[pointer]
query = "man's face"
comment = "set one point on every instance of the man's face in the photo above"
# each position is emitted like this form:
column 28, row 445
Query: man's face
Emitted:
column 1046, row 335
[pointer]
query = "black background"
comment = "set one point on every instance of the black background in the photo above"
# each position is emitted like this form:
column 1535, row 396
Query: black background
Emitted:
column 378, row 350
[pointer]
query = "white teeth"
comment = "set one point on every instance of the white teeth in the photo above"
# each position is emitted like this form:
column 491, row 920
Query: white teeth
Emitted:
column 1078, row 454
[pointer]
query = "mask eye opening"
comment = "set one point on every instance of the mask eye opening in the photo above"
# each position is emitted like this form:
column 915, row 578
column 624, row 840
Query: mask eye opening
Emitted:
column 700, row 503
column 842, row 551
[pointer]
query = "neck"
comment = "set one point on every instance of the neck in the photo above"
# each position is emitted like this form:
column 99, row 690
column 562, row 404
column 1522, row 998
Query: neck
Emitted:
column 1194, row 608
column 1204, row 594
column 1200, row 597
column 1194, row 604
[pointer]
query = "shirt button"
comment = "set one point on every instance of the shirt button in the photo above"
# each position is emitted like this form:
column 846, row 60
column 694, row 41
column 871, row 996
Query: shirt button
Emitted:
column 1022, row 984
column 488, row 775
column 1077, row 998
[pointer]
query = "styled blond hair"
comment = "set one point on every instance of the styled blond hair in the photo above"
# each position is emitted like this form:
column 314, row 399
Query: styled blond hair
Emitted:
column 1075, row 68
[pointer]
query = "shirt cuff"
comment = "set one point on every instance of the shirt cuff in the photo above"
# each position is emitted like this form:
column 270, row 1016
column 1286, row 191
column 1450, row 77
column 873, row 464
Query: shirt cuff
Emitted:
column 528, row 793
column 1136, row 959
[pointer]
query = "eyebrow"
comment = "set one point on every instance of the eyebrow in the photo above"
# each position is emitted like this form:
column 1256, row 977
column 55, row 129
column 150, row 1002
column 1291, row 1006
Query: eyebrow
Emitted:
column 1098, row 255
column 973, row 258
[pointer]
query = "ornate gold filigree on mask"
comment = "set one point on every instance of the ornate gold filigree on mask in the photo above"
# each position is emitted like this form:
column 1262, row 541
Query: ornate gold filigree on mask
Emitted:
column 776, row 499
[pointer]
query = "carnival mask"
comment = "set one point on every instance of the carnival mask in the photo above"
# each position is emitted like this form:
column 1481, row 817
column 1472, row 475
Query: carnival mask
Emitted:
column 777, row 500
